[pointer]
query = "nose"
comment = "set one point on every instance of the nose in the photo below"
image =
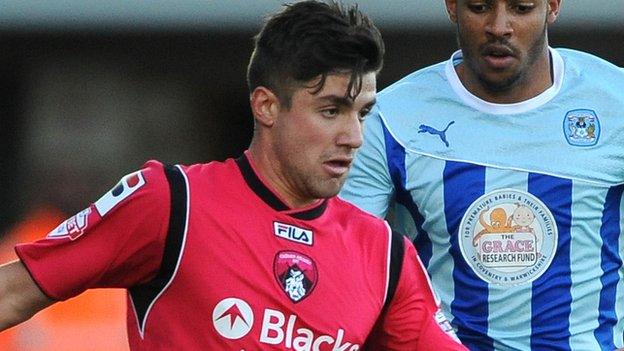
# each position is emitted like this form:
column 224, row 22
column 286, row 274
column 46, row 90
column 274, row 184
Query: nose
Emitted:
column 499, row 23
column 351, row 133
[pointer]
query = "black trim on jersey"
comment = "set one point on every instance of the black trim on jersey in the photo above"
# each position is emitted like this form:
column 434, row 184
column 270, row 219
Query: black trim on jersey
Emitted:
column 257, row 186
column 552, row 68
column 270, row 198
column 312, row 213
column 145, row 294
column 397, row 251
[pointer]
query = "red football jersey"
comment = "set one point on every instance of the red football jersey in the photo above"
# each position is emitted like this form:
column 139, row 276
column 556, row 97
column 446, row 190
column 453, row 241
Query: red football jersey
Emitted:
column 232, row 267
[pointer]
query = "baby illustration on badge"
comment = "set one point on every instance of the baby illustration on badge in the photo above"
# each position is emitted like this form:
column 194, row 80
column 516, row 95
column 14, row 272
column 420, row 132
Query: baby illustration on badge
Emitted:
column 523, row 217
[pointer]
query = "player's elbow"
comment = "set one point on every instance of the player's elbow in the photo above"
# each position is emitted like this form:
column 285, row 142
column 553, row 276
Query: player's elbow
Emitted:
column 12, row 313
column 20, row 297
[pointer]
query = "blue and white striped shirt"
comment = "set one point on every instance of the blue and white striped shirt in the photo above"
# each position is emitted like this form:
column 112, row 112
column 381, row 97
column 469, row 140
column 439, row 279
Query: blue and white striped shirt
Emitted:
column 516, row 209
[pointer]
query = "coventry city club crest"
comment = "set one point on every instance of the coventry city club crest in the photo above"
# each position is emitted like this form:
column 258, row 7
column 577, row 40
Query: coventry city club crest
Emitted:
column 296, row 274
column 581, row 127
column 508, row 237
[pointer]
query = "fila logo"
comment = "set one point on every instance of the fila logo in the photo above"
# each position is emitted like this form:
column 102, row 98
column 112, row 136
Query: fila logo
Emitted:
column 292, row 233
column 232, row 318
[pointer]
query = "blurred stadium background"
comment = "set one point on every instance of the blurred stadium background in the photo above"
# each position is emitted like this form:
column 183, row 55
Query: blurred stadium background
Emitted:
column 89, row 90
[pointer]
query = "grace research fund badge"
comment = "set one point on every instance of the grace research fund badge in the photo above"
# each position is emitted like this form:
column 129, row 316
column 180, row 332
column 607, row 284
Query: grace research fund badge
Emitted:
column 508, row 237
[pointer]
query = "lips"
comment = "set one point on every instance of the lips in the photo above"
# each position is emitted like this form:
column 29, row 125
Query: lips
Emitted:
column 338, row 167
column 498, row 56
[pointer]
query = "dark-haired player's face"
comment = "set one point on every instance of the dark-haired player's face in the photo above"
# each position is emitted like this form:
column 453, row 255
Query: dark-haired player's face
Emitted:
column 316, row 138
column 504, row 42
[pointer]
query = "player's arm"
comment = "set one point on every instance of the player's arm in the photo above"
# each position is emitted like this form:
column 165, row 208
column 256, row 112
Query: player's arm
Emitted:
column 116, row 242
column 369, row 185
column 413, row 320
column 20, row 297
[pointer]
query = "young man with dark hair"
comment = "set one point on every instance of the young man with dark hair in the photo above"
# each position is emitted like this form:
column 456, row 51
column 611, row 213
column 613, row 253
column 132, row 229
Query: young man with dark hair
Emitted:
column 255, row 253
column 505, row 165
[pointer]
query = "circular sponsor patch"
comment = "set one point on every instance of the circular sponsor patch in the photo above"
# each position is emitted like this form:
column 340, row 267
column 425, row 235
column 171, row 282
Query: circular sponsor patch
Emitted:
column 508, row 237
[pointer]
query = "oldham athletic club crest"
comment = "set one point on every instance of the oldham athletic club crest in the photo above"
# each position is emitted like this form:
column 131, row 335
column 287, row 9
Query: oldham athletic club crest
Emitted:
column 581, row 127
column 508, row 237
column 296, row 274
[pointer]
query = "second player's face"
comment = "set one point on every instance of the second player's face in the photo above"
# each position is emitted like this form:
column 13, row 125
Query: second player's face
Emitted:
column 504, row 42
column 316, row 138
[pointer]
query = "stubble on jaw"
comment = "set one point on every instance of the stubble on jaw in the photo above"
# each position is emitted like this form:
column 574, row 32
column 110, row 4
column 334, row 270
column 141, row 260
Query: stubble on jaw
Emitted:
column 522, row 75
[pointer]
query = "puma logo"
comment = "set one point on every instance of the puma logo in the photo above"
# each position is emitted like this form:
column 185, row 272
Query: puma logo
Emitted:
column 441, row 133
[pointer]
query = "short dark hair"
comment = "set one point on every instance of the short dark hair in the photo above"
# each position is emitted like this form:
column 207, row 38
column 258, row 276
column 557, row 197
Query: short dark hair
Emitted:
column 309, row 39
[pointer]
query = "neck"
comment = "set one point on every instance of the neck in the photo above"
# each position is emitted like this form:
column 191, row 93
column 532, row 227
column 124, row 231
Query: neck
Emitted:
column 270, row 171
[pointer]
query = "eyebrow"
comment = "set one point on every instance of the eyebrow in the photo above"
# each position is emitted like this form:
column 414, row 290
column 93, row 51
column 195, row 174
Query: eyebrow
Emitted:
column 344, row 101
column 338, row 100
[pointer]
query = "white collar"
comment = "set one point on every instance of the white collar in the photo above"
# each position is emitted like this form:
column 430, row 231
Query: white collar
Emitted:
column 504, row 109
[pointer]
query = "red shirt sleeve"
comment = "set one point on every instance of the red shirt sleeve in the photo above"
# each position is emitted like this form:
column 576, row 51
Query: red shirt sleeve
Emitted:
column 413, row 320
column 118, row 241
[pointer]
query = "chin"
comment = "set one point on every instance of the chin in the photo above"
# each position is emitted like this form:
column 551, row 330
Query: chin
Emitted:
column 327, row 193
column 501, row 83
column 330, row 188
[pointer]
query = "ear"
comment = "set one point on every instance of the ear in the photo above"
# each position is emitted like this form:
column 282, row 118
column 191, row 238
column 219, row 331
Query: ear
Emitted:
column 265, row 106
column 553, row 10
column 451, row 9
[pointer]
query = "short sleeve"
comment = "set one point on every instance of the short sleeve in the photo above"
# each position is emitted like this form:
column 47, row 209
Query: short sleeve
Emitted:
column 118, row 241
column 413, row 320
